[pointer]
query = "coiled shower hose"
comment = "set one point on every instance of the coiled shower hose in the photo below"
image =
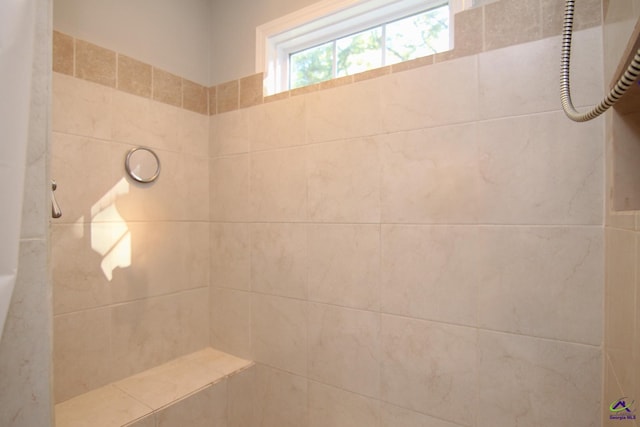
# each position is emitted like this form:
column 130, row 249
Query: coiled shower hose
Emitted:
column 625, row 82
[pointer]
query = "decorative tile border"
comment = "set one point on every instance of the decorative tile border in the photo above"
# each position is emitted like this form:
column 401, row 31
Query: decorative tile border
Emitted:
column 486, row 27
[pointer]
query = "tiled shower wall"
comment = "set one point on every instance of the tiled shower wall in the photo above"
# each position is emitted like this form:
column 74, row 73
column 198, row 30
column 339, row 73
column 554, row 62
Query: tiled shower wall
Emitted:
column 130, row 261
column 423, row 248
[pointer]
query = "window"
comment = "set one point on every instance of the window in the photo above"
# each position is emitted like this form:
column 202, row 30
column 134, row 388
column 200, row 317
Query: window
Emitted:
column 337, row 38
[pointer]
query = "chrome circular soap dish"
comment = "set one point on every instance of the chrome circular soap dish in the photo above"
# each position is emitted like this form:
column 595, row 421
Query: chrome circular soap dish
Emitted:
column 142, row 164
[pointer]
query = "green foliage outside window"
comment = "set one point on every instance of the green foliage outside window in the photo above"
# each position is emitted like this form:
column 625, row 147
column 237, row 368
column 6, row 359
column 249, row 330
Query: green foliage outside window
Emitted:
column 409, row 38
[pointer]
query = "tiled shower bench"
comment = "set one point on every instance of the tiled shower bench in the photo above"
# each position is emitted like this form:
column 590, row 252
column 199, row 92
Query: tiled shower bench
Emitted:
column 193, row 390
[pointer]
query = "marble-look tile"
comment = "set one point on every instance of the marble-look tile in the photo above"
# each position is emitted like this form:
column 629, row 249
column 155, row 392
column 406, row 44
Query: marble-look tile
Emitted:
column 165, row 257
column 279, row 332
column 149, row 332
column 229, row 188
column 78, row 281
column 409, row 97
column 349, row 111
column 141, row 121
column 344, row 181
column 279, row 259
column 344, row 265
column 430, row 272
column 193, row 133
column 80, row 107
column 26, row 345
column 530, row 173
column 562, row 301
column 205, row 408
column 523, row 79
column 229, row 133
column 277, row 124
column 230, row 255
column 148, row 421
column 534, row 382
column 92, row 159
column 620, row 307
column 431, row 176
column 344, row 348
column 278, row 188
column 104, row 407
column 611, row 393
column 95, row 63
column 240, row 398
column 81, row 352
column 430, row 368
column 395, row 416
column 333, row 407
column 214, row 364
column 280, row 399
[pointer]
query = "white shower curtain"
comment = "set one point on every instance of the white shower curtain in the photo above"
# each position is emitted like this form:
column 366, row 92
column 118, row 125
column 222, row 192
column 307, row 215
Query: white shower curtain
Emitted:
column 17, row 30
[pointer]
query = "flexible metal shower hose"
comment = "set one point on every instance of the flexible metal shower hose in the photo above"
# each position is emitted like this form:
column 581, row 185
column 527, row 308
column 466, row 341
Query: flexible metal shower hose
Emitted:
column 625, row 82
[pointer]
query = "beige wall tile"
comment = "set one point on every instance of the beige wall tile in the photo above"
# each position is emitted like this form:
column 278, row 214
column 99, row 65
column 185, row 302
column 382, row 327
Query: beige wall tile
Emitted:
column 230, row 256
column 426, row 269
column 413, row 63
column 521, row 161
column 469, row 31
column 329, row 406
column 95, row 63
column 193, row 133
column 148, row 421
column 140, row 121
column 229, row 133
column 620, row 309
column 240, row 398
column 63, row 53
column 344, row 181
column 278, row 185
column 509, row 364
column 231, row 321
column 213, row 100
column 449, row 352
column 371, row 74
column 251, row 90
column 524, row 79
column 81, row 353
column 344, row 267
column 344, row 348
column 586, row 14
column 277, row 125
column 561, row 301
column 394, row 416
column 279, row 332
column 229, row 187
column 344, row 112
column 103, row 407
column 195, row 97
column 280, row 398
column 80, row 107
column 431, row 176
column 407, row 95
column 611, row 392
column 279, row 259
column 134, row 76
column 227, row 96
column 159, row 329
column 204, row 408
column 167, row 87
column 511, row 22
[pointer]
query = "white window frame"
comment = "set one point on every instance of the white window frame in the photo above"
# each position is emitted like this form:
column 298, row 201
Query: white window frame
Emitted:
column 324, row 21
